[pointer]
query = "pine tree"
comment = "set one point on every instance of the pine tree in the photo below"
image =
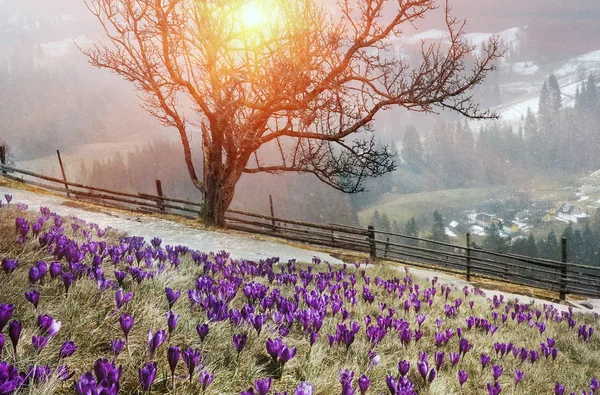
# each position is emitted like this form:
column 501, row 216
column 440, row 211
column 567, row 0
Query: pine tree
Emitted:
column 552, row 250
column 438, row 229
column 532, row 139
column 494, row 241
column 384, row 223
column 412, row 149
column 555, row 94
column 376, row 219
column 531, row 248
column 411, row 230
column 544, row 104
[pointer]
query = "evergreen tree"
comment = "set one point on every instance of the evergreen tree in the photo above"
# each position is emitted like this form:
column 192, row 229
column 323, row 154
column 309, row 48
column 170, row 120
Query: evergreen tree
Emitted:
column 531, row 248
column 438, row 229
column 589, row 245
column 375, row 219
column 544, row 104
column 384, row 223
column 396, row 227
column 552, row 248
column 412, row 149
column 493, row 240
column 532, row 139
column 411, row 230
column 555, row 99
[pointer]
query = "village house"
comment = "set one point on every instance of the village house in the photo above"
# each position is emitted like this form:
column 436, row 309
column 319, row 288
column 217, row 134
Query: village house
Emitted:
column 571, row 213
column 487, row 220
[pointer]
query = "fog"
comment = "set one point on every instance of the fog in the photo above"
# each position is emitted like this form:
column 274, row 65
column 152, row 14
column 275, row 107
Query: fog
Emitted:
column 51, row 98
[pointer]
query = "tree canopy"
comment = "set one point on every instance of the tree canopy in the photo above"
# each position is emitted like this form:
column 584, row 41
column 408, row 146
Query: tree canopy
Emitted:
column 307, row 81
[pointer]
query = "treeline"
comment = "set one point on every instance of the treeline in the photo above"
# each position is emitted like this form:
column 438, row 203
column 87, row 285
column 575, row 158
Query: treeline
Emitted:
column 557, row 138
column 583, row 244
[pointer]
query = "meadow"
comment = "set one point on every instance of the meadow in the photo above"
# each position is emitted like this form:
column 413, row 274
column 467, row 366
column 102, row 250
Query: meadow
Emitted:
column 86, row 310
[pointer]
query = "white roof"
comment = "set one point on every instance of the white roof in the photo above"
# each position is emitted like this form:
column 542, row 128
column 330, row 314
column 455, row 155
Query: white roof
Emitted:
column 453, row 224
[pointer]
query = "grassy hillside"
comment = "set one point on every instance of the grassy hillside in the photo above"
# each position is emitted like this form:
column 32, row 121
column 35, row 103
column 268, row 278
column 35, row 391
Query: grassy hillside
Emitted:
column 390, row 329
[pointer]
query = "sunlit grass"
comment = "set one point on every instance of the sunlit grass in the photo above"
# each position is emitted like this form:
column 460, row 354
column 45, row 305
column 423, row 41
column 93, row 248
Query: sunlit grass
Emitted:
column 88, row 317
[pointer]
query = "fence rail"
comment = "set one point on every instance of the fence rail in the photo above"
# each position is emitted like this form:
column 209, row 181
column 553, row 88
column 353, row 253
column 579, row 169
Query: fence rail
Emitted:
column 561, row 277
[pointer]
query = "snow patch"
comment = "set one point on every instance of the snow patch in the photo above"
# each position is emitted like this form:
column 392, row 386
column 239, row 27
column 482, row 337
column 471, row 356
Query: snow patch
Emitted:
column 449, row 232
column 64, row 47
column 239, row 246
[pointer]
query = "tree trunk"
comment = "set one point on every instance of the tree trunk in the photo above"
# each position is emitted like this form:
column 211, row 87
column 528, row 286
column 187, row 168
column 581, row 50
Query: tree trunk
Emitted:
column 220, row 180
column 218, row 197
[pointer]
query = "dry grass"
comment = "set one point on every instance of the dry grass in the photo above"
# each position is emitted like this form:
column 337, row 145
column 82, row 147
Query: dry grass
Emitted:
column 88, row 319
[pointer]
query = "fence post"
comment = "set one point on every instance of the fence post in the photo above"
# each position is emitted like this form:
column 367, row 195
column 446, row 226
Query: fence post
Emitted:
column 563, row 276
column 372, row 243
column 468, row 256
column 159, row 192
column 3, row 157
column 387, row 247
column 272, row 213
column 62, row 169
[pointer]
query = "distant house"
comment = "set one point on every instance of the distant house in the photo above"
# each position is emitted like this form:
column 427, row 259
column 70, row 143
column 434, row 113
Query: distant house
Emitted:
column 511, row 230
column 571, row 213
column 487, row 220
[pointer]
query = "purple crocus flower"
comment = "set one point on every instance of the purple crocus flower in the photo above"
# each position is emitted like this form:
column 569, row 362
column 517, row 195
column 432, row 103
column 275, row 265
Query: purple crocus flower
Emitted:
column 191, row 358
column 286, row 353
column 155, row 341
column 533, row 356
column 485, row 359
column 172, row 321
column 304, row 388
column 454, row 358
column 9, row 265
column 14, row 332
column 147, row 376
column 34, row 275
column 33, row 297
column 594, row 385
column 6, row 313
column 54, row 327
column 117, row 346
column 126, row 321
column 559, row 389
column 363, row 383
column 122, row 299
column 239, row 341
column 39, row 342
column 439, row 359
column 202, row 330
column 493, row 389
column 497, row 371
column 423, row 369
column 67, row 349
column 172, row 297
column 206, row 379
column 120, row 276
column 273, row 348
column 55, row 270
column 173, row 355
column 403, row 367
column 67, row 281
column 518, row 376
column 463, row 376
column 263, row 386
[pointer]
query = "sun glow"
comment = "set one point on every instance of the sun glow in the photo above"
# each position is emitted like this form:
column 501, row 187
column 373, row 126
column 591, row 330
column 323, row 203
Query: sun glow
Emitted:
column 254, row 15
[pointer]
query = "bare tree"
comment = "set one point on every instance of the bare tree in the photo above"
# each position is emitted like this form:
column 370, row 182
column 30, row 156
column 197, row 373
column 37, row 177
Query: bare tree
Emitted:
column 307, row 81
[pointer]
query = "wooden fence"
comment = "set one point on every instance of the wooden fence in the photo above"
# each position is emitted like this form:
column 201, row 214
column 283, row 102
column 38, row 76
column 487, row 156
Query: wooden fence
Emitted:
column 562, row 277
